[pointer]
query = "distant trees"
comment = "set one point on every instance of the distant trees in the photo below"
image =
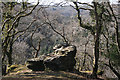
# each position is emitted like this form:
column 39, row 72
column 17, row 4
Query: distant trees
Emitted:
column 20, row 50
column 113, row 43
column 10, row 23
column 37, row 47
column 53, row 22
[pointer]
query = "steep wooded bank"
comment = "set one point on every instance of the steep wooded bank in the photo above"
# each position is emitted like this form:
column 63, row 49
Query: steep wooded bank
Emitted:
column 29, row 31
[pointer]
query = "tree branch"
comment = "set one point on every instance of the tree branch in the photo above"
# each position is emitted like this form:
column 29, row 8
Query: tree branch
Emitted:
column 24, row 29
column 88, row 27
column 17, row 19
column 116, row 28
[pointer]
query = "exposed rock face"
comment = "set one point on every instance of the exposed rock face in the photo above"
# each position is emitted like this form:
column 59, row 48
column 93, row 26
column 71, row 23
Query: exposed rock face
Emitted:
column 35, row 64
column 61, row 59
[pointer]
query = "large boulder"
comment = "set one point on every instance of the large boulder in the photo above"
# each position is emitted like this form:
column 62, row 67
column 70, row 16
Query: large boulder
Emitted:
column 35, row 64
column 61, row 59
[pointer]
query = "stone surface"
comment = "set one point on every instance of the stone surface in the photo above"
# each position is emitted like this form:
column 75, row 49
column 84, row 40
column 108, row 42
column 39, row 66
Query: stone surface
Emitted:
column 61, row 59
column 35, row 64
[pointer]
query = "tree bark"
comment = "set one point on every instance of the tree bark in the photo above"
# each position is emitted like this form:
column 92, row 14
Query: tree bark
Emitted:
column 97, row 37
column 9, row 59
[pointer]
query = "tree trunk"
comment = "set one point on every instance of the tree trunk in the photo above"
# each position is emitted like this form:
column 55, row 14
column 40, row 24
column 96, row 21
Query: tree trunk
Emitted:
column 36, row 54
column 97, row 37
column 3, row 58
column 9, row 59
column 3, row 65
column 96, row 55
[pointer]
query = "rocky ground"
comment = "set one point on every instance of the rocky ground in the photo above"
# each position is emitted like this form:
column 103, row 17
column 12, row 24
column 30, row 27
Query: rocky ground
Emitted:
column 21, row 72
column 46, row 75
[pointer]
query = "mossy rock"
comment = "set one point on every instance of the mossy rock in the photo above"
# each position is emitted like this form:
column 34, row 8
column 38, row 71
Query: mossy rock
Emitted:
column 99, row 72
column 16, row 68
column 11, row 68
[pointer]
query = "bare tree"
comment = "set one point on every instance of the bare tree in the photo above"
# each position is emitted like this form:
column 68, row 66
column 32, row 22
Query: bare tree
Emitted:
column 50, row 23
column 10, row 23
column 37, row 48
column 94, row 29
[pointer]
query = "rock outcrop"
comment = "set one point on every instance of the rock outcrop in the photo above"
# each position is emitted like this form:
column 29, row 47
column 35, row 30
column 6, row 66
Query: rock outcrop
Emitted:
column 35, row 64
column 61, row 59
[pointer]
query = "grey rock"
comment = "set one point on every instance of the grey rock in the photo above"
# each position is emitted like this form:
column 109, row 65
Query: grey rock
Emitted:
column 35, row 64
column 61, row 59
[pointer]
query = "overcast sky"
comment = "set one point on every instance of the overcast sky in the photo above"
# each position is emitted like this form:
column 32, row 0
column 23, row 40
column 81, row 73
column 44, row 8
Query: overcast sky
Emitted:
column 58, row 1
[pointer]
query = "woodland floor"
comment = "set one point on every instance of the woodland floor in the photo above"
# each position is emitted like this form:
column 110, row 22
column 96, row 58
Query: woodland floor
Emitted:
column 47, row 75
column 23, row 73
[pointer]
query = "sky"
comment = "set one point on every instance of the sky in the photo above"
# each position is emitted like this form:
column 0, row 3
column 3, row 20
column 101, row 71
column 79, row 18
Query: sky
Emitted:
column 58, row 1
